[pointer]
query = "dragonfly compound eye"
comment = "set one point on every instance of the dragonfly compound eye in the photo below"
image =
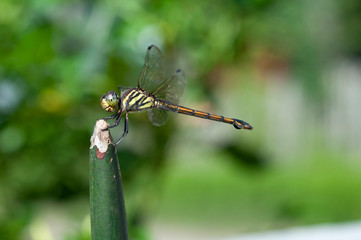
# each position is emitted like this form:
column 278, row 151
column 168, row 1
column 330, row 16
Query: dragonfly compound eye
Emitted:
column 109, row 101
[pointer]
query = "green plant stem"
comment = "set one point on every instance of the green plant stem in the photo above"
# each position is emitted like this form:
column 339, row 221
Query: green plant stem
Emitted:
column 107, row 208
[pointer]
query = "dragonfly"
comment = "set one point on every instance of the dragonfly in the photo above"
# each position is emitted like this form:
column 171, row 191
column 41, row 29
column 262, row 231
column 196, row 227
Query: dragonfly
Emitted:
column 156, row 94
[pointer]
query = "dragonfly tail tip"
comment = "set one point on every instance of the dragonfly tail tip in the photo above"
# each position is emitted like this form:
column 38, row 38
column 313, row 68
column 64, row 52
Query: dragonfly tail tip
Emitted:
column 247, row 126
column 239, row 124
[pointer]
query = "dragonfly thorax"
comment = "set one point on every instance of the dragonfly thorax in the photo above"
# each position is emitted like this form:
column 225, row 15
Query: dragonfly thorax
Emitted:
column 110, row 101
column 136, row 100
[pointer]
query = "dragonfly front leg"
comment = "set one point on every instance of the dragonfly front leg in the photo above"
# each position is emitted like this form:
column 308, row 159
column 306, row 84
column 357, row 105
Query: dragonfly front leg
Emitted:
column 117, row 121
column 111, row 117
column 126, row 128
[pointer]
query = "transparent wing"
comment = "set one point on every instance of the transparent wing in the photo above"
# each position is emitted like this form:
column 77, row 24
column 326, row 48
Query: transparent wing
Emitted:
column 172, row 89
column 158, row 117
column 123, row 89
column 152, row 75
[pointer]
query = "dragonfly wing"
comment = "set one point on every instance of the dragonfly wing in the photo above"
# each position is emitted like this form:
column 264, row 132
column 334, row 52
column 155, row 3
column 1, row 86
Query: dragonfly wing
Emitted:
column 124, row 89
column 158, row 117
column 172, row 89
column 152, row 75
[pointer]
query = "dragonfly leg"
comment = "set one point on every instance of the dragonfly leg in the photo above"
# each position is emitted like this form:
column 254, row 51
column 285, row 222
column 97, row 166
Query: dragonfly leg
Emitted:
column 126, row 128
column 117, row 121
column 111, row 117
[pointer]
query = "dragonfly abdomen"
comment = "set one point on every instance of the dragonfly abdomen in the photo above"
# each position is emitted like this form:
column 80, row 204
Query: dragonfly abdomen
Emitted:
column 238, row 124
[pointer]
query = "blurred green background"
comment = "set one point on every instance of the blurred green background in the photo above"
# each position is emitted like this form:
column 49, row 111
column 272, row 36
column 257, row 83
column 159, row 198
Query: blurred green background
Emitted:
column 289, row 68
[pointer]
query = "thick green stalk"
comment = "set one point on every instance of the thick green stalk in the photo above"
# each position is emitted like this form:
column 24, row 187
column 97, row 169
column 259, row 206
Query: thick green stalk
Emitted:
column 107, row 208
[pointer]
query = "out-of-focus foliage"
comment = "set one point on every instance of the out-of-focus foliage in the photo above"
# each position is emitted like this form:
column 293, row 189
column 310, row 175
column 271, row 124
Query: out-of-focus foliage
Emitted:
column 287, row 67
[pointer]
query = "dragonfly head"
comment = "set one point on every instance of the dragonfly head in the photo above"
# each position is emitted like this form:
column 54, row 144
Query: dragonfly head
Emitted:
column 110, row 101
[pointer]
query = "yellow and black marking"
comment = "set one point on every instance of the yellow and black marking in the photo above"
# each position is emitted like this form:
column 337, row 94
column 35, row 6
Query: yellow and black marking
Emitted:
column 136, row 100
column 238, row 124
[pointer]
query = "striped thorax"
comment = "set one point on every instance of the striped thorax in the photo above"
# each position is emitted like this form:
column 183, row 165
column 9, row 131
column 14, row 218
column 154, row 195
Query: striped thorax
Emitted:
column 136, row 100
